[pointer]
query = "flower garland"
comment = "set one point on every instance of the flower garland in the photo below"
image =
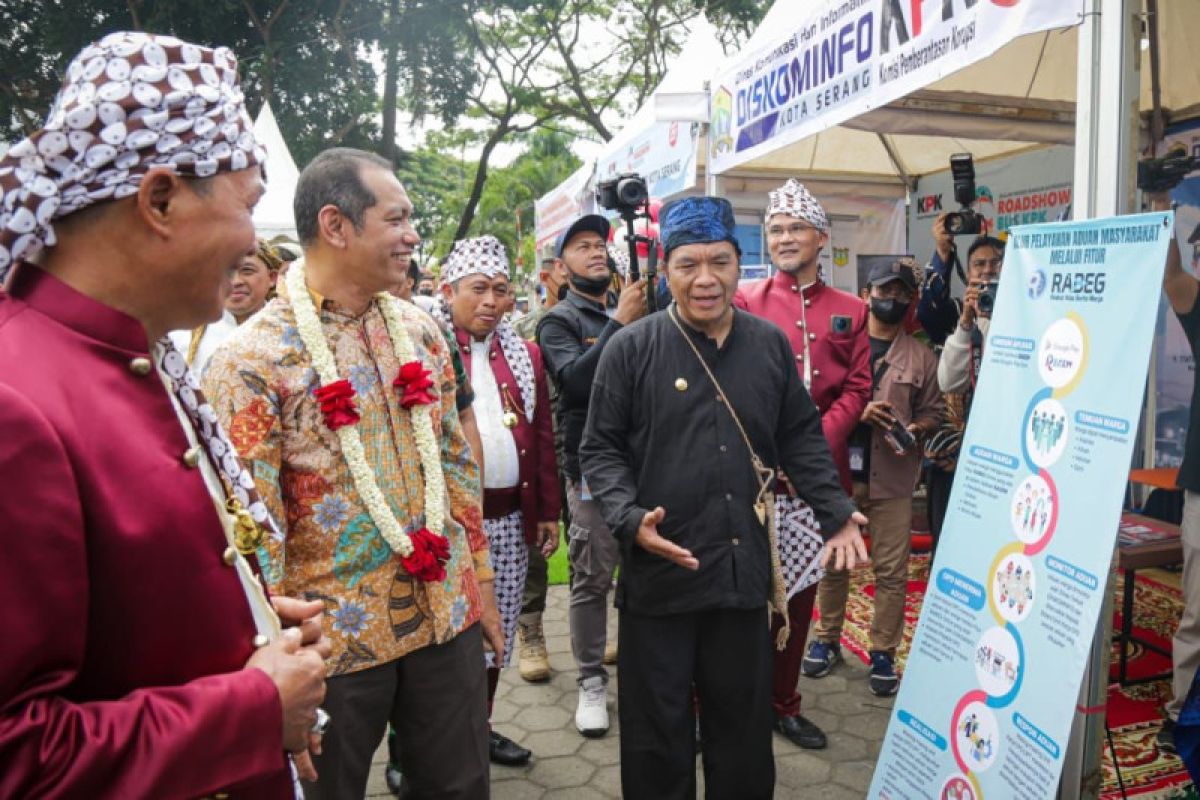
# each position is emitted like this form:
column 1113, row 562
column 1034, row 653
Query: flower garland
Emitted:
column 425, row 551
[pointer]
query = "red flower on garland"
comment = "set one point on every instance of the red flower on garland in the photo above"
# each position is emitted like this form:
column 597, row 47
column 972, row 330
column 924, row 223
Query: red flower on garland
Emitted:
column 414, row 384
column 337, row 404
column 430, row 553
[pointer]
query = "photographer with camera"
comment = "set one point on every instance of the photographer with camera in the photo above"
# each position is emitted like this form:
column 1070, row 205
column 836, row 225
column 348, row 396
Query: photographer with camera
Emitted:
column 572, row 336
column 885, row 461
column 963, row 349
column 937, row 310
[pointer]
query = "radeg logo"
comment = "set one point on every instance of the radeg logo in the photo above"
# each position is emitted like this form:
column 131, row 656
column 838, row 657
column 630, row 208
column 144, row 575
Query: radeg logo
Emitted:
column 1037, row 284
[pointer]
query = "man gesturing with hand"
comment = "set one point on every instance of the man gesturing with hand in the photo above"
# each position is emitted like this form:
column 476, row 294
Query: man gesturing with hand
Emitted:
column 692, row 410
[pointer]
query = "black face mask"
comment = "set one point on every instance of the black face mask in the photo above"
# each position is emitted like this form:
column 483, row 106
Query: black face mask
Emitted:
column 589, row 286
column 889, row 311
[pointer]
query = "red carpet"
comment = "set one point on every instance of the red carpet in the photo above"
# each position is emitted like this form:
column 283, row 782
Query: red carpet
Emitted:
column 1134, row 712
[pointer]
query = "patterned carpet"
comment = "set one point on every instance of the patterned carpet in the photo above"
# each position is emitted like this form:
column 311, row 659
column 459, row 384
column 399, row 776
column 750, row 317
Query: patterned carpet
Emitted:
column 1134, row 712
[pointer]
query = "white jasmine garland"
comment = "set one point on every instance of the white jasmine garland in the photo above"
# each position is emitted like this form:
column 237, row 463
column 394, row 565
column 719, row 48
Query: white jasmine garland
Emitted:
column 308, row 324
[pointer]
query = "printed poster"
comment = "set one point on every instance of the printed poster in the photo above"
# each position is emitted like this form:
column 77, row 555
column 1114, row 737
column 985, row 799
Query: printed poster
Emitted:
column 989, row 691
column 850, row 56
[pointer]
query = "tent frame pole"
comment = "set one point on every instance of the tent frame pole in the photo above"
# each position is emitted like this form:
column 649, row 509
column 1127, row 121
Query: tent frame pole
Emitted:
column 1106, row 120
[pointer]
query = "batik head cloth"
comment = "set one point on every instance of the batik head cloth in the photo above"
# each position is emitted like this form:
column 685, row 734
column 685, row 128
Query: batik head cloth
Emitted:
column 482, row 255
column 695, row 220
column 131, row 101
column 796, row 201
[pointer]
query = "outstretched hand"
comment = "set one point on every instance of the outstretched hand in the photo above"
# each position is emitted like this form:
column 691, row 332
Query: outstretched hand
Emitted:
column 846, row 549
column 649, row 539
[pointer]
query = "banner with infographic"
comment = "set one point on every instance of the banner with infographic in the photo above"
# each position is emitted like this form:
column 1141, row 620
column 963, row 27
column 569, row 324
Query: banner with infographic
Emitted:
column 990, row 687
column 850, row 56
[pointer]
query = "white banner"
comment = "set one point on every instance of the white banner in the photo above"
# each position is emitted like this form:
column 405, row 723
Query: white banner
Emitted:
column 664, row 153
column 847, row 57
column 556, row 209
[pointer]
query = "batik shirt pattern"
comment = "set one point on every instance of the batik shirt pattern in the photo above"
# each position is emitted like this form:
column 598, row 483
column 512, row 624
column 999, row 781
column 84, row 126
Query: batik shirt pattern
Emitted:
column 261, row 382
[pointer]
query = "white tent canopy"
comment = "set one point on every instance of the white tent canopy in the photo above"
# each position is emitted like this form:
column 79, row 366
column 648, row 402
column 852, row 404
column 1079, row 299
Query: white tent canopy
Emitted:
column 273, row 215
column 1019, row 97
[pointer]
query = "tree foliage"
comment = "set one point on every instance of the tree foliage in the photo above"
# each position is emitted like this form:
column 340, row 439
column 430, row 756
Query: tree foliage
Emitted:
column 316, row 61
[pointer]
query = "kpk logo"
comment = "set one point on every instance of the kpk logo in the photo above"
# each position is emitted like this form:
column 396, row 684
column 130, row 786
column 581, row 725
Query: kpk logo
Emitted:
column 929, row 204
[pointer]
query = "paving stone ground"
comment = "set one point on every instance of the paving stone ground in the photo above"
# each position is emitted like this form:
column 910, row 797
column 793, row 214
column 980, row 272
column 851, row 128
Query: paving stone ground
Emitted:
column 565, row 765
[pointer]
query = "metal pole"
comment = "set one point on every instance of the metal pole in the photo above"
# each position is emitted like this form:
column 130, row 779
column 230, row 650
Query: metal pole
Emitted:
column 1106, row 115
column 710, row 177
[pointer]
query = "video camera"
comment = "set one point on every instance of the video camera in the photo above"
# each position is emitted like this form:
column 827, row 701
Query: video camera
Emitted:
column 629, row 196
column 965, row 221
column 1164, row 174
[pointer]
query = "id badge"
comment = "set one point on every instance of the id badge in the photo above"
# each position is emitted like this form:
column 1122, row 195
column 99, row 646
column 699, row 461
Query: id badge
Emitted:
column 584, row 492
column 856, row 458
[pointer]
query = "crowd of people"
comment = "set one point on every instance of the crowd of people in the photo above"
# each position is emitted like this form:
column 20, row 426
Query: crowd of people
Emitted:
column 251, row 529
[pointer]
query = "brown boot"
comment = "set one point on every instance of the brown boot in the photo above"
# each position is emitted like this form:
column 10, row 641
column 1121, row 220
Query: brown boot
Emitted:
column 533, row 663
column 610, row 651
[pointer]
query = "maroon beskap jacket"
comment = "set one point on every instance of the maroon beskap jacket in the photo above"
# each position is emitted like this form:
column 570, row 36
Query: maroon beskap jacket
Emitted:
column 125, row 631
column 541, row 500
column 841, row 360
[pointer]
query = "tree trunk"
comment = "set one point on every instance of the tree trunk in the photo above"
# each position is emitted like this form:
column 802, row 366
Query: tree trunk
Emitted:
column 391, row 79
column 481, row 172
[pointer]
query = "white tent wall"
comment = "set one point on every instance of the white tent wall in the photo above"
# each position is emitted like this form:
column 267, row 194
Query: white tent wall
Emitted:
column 273, row 215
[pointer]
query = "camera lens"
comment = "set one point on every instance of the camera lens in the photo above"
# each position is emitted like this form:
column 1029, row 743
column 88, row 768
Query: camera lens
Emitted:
column 954, row 224
column 631, row 192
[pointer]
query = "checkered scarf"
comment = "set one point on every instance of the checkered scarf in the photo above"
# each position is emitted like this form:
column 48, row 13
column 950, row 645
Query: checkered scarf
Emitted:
column 484, row 255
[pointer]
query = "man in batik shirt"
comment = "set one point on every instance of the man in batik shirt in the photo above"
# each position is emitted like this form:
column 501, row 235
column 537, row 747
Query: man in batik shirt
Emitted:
column 316, row 402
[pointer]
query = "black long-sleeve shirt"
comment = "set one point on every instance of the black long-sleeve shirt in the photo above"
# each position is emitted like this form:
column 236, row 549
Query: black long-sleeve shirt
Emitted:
column 572, row 335
column 650, row 443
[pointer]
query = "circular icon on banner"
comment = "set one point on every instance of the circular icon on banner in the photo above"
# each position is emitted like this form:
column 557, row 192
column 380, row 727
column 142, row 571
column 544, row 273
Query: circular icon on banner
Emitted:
column 997, row 661
column 1032, row 509
column 1060, row 353
column 957, row 787
column 1046, row 432
column 1014, row 587
column 978, row 737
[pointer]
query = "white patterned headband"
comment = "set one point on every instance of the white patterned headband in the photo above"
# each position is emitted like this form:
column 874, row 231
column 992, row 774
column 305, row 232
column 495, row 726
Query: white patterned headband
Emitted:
column 131, row 101
column 482, row 255
column 796, row 201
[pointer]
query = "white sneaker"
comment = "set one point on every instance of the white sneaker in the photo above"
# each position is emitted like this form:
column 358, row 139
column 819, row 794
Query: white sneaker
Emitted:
column 591, row 715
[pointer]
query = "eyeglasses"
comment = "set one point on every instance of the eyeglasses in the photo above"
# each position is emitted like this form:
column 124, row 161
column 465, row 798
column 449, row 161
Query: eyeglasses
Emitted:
column 987, row 262
column 795, row 229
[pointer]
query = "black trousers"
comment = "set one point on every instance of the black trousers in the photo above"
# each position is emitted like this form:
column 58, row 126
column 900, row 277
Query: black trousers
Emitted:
column 726, row 657
column 436, row 699
column 937, row 498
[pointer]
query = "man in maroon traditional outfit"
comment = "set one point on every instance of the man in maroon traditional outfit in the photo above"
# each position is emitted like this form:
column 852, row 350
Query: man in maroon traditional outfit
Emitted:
column 828, row 332
column 141, row 655
column 521, row 500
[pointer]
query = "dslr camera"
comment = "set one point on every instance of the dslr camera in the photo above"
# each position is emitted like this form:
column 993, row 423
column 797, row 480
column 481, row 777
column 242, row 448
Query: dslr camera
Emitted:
column 626, row 194
column 1165, row 173
column 965, row 221
column 987, row 298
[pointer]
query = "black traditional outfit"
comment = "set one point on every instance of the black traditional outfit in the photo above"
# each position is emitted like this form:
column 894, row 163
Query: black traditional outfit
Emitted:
column 659, row 434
